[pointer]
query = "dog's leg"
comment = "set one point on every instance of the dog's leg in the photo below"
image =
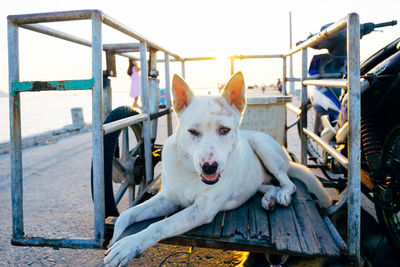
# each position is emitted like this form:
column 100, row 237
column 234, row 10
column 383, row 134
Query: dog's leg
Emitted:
column 200, row 212
column 157, row 206
column 275, row 160
column 269, row 199
column 287, row 188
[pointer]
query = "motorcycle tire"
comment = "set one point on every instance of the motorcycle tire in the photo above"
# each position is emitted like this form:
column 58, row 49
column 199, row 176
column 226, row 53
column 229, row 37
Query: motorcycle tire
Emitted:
column 111, row 153
column 387, row 205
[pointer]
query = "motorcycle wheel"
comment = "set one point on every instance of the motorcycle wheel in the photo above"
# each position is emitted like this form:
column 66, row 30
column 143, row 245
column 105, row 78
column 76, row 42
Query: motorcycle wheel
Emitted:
column 118, row 160
column 387, row 205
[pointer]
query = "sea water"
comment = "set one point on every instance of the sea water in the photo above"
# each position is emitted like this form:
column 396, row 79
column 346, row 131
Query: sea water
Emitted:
column 46, row 111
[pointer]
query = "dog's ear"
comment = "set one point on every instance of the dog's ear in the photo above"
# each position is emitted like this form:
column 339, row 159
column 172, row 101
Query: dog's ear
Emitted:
column 182, row 94
column 234, row 92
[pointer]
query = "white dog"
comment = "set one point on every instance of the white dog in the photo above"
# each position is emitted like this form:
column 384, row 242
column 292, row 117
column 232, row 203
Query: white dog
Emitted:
column 209, row 165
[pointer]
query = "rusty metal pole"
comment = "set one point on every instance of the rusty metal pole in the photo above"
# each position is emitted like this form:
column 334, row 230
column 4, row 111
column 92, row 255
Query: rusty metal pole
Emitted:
column 183, row 70
column 284, row 81
column 97, row 128
column 354, row 115
column 304, row 100
column 146, row 110
column 154, row 90
column 15, row 134
column 284, row 92
column 168, row 93
column 107, row 95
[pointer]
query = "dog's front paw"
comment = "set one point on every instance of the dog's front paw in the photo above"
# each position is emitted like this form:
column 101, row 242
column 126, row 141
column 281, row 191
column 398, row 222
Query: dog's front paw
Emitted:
column 283, row 197
column 268, row 202
column 284, row 194
column 124, row 220
column 122, row 252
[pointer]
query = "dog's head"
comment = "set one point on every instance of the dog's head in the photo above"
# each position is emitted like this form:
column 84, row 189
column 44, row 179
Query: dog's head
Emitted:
column 208, row 126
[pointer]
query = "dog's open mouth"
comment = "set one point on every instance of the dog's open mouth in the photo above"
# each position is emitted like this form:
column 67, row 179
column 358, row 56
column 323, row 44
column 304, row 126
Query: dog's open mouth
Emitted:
column 210, row 178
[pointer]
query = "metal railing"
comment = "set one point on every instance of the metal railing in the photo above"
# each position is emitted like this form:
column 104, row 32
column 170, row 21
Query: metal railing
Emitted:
column 240, row 57
column 352, row 83
column 95, row 83
column 150, row 109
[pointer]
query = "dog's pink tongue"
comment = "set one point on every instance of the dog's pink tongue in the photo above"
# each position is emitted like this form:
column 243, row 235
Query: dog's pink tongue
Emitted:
column 211, row 177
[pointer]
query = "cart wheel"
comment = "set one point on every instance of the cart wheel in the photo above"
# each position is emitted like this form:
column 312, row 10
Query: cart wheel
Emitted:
column 123, row 162
column 387, row 205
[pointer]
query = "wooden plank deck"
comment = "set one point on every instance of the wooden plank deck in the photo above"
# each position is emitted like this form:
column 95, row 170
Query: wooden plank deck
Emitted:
column 294, row 230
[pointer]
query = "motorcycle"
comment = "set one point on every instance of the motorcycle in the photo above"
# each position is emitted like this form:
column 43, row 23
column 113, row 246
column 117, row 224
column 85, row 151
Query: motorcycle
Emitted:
column 380, row 126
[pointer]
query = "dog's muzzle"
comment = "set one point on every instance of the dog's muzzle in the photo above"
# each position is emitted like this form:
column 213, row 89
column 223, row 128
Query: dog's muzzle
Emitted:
column 210, row 175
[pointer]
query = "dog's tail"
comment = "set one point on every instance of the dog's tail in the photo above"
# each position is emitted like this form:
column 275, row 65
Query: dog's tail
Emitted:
column 313, row 185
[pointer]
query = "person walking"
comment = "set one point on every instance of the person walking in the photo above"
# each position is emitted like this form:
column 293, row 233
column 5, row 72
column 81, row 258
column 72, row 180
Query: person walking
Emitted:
column 136, row 82
column 279, row 85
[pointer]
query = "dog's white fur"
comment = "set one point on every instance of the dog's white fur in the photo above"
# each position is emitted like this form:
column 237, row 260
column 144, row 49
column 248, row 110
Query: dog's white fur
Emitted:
column 208, row 133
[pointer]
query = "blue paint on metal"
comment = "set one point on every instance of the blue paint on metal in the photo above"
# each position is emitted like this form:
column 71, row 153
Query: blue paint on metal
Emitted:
column 52, row 86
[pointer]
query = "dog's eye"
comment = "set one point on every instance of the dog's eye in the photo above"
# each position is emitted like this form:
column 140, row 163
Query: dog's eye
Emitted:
column 194, row 132
column 223, row 130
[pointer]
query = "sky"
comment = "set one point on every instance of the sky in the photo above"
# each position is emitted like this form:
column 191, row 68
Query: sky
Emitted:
column 189, row 29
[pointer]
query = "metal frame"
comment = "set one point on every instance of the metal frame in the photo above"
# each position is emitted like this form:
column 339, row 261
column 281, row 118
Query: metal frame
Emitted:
column 98, row 18
column 353, row 193
column 95, row 83
column 98, row 129
column 232, row 62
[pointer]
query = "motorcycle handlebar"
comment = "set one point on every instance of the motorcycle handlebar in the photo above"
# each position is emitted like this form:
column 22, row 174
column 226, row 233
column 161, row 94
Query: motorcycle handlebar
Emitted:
column 384, row 24
column 368, row 27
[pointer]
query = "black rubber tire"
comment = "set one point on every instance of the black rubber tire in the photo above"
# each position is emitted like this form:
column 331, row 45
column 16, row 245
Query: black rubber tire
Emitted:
column 110, row 146
column 389, row 213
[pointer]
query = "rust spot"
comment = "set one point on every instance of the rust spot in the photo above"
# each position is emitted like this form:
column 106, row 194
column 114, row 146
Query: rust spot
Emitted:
column 41, row 86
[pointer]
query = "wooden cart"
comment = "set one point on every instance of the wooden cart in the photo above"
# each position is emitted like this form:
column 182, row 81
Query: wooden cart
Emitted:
column 299, row 229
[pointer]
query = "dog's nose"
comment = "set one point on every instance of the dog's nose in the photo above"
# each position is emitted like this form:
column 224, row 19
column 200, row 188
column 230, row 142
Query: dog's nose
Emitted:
column 210, row 168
